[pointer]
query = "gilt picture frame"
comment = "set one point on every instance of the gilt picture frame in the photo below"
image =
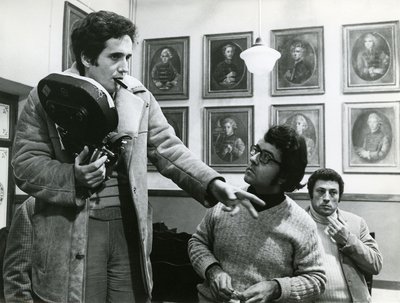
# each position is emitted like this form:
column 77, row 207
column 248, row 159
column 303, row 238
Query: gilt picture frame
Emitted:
column 300, row 70
column 371, row 132
column 72, row 15
column 371, row 57
column 228, row 136
column 225, row 74
column 166, row 67
column 309, row 121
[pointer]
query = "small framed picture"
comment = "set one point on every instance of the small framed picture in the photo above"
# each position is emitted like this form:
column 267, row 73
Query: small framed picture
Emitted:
column 225, row 74
column 371, row 137
column 308, row 121
column 4, row 185
column 178, row 118
column 227, row 138
column 166, row 67
column 5, row 121
column 300, row 70
column 72, row 15
column 371, row 57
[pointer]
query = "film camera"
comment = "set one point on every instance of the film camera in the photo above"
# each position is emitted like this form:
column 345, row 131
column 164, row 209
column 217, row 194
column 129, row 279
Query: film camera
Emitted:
column 84, row 114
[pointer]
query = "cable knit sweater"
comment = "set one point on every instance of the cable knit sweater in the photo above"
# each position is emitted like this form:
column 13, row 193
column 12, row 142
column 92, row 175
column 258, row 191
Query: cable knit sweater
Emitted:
column 282, row 244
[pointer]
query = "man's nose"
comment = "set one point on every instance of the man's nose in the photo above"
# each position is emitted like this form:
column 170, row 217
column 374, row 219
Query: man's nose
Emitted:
column 326, row 196
column 254, row 159
column 123, row 67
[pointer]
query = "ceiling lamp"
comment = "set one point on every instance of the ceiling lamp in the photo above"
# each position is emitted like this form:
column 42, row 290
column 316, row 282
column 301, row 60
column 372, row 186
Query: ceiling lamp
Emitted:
column 260, row 59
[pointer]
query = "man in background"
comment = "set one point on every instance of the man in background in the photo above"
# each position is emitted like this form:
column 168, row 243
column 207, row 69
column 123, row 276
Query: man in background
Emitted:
column 350, row 252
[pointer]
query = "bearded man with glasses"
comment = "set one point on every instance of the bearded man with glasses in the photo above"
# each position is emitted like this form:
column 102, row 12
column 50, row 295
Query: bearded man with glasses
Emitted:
column 274, row 257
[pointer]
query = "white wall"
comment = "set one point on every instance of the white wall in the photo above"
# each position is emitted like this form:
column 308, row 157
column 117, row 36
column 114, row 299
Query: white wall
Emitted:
column 156, row 19
column 31, row 35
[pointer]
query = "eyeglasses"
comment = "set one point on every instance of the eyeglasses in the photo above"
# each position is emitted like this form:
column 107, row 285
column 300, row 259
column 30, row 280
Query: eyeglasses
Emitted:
column 264, row 156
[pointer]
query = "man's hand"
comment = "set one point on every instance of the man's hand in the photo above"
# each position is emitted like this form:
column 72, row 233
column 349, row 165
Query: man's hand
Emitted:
column 262, row 292
column 232, row 196
column 92, row 174
column 220, row 283
column 338, row 231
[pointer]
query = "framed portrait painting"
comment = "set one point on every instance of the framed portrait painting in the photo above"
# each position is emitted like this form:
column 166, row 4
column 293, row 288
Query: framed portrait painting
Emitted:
column 72, row 15
column 225, row 74
column 166, row 67
column 308, row 121
column 178, row 118
column 227, row 138
column 371, row 137
column 371, row 57
column 300, row 70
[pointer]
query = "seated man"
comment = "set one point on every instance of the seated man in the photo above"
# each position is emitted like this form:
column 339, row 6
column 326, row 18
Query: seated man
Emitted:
column 275, row 257
column 349, row 250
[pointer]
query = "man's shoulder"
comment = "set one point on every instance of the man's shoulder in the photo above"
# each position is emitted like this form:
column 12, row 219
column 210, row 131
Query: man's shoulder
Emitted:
column 349, row 217
column 300, row 214
column 134, row 84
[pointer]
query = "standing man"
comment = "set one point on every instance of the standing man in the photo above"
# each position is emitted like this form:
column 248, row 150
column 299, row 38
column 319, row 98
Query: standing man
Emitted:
column 97, row 249
column 277, row 257
column 349, row 250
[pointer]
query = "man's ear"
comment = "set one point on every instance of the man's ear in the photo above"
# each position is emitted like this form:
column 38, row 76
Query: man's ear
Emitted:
column 85, row 60
column 281, row 179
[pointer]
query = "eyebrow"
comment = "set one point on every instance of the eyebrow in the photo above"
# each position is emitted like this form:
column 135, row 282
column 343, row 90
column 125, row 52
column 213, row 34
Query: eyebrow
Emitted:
column 267, row 151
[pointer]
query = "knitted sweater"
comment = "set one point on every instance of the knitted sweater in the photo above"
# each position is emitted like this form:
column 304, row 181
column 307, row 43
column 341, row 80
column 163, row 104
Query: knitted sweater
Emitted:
column 282, row 244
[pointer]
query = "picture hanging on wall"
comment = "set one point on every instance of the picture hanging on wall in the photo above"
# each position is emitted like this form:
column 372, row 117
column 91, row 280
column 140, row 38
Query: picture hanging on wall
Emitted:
column 371, row 57
column 308, row 121
column 227, row 138
column 225, row 74
column 300, row 70
column 177, row 117
column 72, row 15
column 166, row 67
column 371, row 137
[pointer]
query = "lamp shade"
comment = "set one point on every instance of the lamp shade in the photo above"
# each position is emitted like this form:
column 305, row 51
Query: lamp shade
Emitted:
column 260, row 59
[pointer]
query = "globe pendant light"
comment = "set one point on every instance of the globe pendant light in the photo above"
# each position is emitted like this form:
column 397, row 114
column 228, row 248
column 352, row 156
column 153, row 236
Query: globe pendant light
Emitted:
column 260, row 59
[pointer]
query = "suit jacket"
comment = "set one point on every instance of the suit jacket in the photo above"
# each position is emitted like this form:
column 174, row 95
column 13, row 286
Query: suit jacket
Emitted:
column 360, row 256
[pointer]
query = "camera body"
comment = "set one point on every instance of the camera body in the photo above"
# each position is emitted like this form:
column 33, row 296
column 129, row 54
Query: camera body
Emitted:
column 84, row 114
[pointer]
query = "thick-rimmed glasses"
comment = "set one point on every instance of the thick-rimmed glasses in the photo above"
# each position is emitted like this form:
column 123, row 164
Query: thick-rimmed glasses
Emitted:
column 264, row 156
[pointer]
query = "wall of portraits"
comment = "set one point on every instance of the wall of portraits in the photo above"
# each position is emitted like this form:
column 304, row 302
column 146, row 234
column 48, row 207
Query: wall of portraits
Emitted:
column 318, row 86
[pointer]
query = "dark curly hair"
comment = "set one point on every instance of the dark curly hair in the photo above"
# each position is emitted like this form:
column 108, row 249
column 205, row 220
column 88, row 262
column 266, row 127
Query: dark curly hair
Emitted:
column 92, row 32
column 294, row 155
column 325, row 174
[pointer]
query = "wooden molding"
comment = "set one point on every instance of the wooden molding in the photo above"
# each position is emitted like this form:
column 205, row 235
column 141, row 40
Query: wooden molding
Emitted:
column 295, row 196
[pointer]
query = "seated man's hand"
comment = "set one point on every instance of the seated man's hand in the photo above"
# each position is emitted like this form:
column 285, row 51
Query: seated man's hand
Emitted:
column 232, row 196
column 338, row 231
column 220, row 283
column 261, row 292
column 89, row 175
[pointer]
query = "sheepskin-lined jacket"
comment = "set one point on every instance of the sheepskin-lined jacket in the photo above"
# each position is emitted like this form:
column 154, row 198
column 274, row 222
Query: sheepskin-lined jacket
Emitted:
column 44, row 170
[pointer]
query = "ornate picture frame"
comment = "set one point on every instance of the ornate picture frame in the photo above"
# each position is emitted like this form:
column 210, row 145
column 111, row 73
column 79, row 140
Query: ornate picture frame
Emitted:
column 178, row 118
column 72, row 15
column 309, row 121
column 371, row 57
column 228, row 136
column 300, row 70
column 371, row 135
column 166, row 67
column 225, row 74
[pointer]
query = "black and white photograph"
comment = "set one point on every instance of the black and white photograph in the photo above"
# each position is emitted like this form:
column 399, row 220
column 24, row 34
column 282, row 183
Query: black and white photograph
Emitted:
column 142, row 160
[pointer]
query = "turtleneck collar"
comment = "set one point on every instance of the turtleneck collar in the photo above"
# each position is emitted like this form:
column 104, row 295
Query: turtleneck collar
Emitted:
column 270, row 200
column 319, row 218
